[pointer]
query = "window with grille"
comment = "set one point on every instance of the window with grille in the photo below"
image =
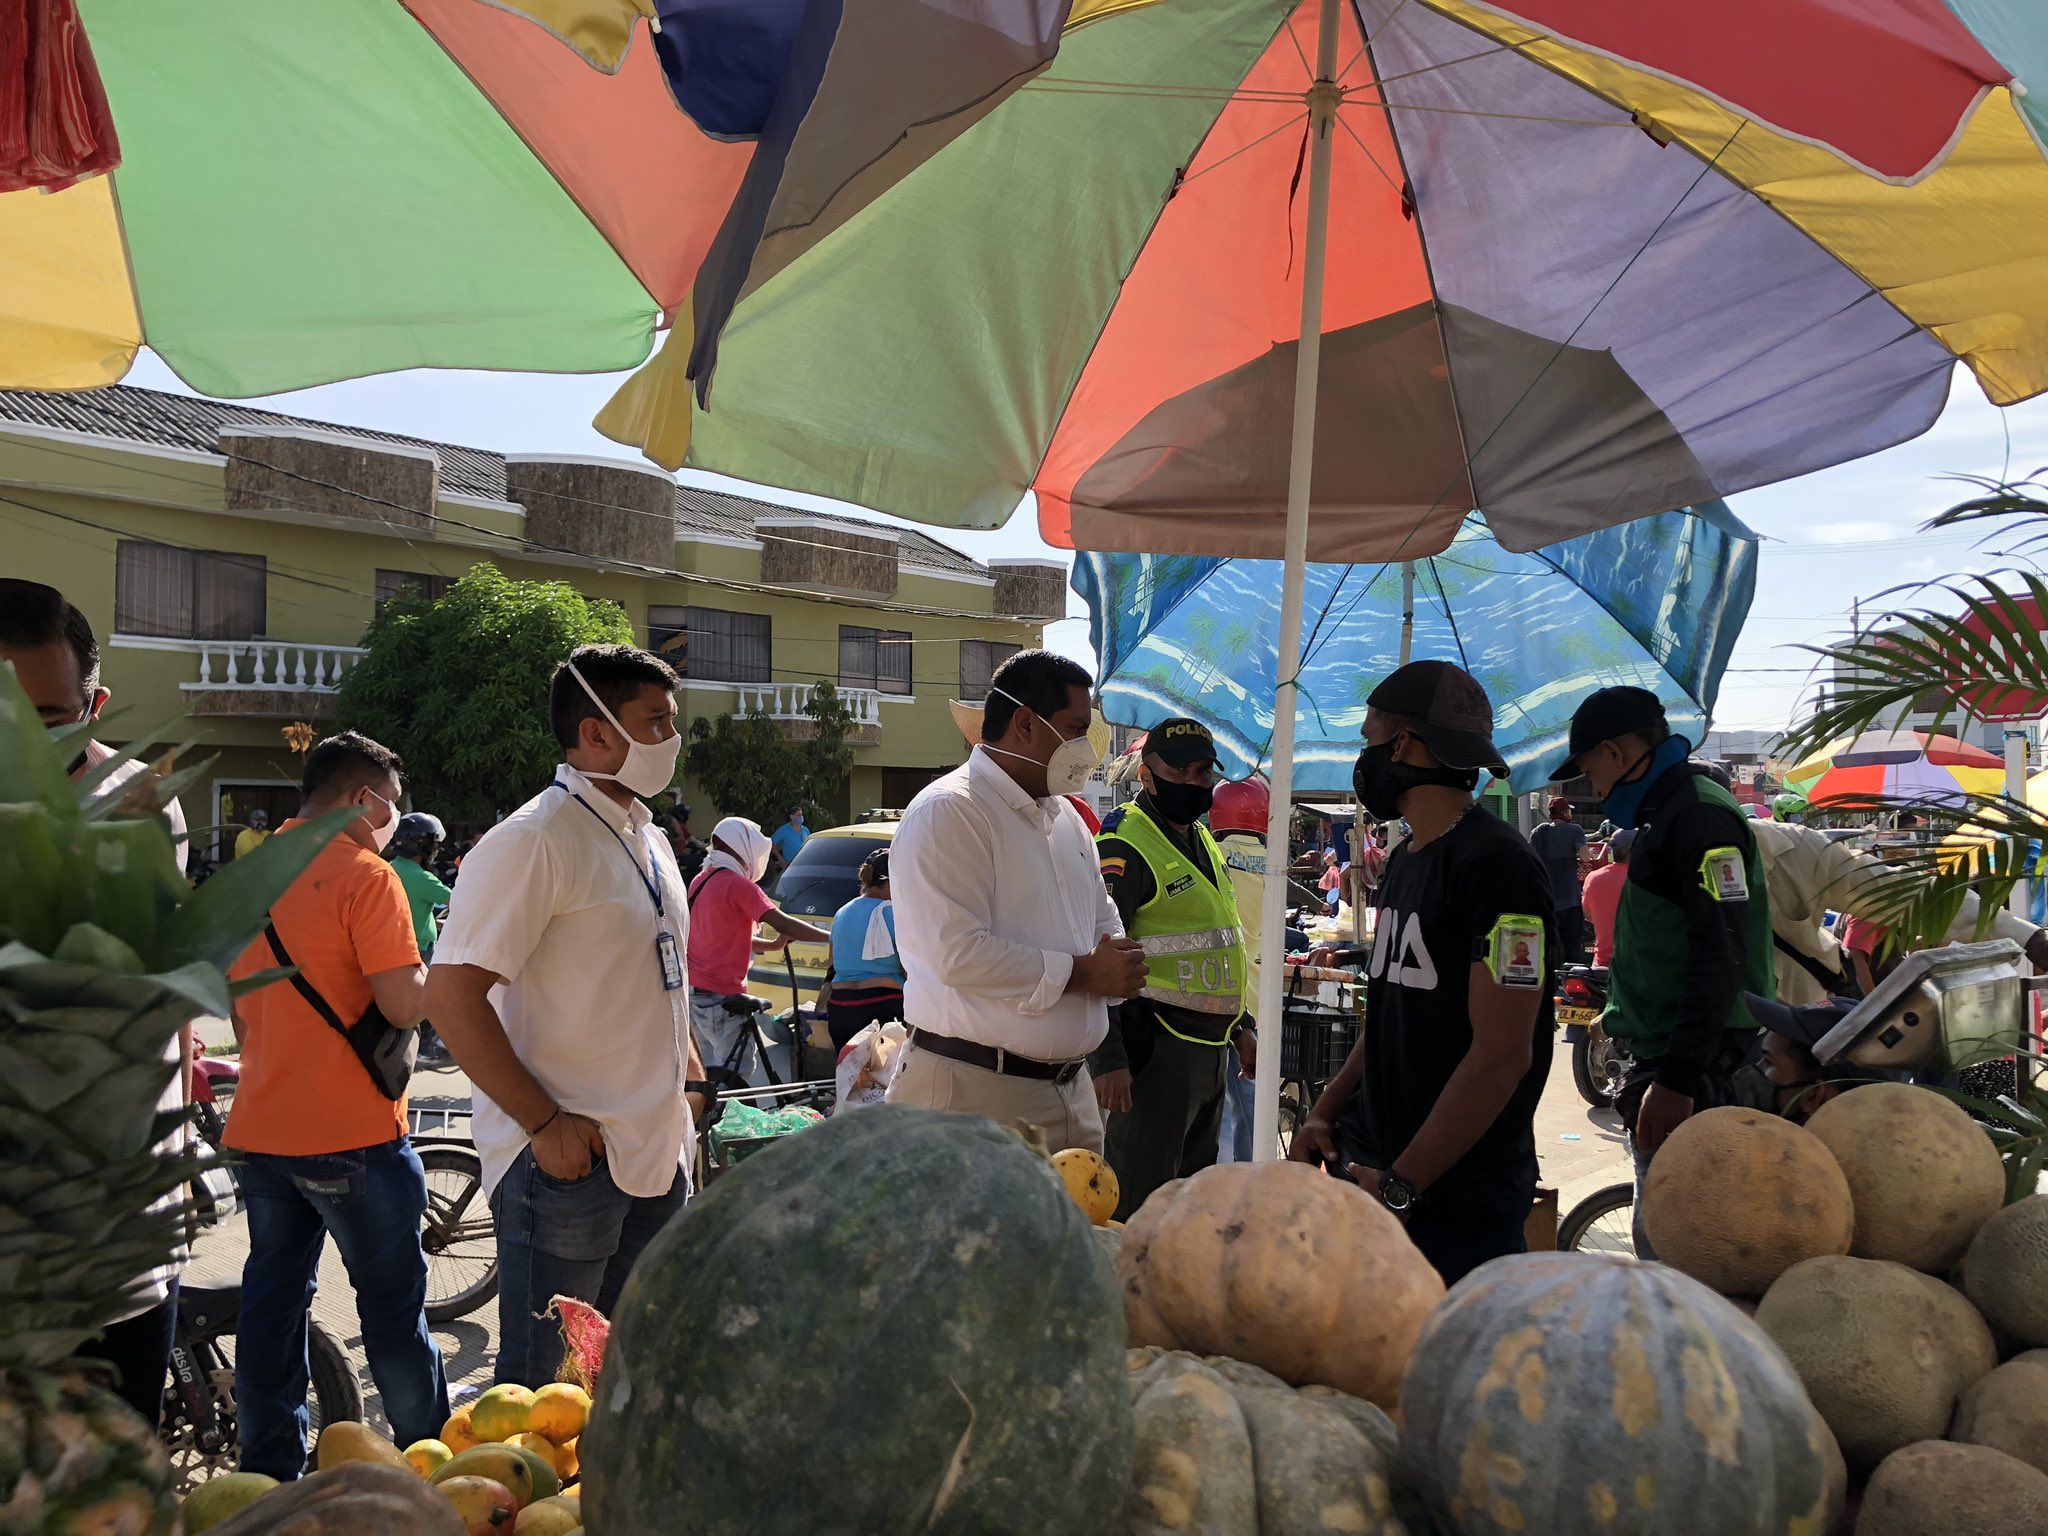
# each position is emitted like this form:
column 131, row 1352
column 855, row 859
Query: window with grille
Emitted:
column 978, row 662
column 190, row 594
column 874, row 658
column 710, row 645
column 426, row 584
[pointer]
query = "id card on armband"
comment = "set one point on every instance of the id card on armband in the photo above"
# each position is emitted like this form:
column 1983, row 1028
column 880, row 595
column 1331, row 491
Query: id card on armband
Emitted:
column 1514, row 951
column 671, row 961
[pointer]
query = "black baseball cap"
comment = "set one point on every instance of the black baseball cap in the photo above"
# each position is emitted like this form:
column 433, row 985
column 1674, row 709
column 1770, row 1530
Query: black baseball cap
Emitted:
column 1806, row 1023
column 1603, row 715
column 1181, row 743
column 1456, row 715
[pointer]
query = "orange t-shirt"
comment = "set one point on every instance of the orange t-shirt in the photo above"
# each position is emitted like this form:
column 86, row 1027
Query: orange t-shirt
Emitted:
column 302, row 1089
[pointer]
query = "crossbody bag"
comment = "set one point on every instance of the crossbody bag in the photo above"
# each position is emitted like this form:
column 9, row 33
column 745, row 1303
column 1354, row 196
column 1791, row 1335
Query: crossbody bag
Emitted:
column 386, row 1051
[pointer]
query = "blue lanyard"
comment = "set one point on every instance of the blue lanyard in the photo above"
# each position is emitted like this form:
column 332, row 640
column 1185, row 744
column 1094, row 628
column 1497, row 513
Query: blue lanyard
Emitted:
column 653, row 885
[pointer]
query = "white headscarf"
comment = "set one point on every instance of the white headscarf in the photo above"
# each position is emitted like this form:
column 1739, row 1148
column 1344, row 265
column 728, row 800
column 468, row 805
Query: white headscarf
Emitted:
column 745, row 837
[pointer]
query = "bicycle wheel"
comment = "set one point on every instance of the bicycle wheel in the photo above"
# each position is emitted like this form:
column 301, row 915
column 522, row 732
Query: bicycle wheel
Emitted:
column 456, row 1234
column 1603, row 1222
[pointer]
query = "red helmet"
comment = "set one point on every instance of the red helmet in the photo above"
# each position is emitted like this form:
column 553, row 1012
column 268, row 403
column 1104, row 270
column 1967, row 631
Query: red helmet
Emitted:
column 1240, row 806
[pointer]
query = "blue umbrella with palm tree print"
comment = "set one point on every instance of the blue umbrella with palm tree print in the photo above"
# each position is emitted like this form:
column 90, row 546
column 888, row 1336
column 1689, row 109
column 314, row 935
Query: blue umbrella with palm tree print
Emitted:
column 1656, row 603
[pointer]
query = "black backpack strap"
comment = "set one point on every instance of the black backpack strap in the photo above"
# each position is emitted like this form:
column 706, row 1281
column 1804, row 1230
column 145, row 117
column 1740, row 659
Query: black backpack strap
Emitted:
column 305, row 988
column 1835, row 984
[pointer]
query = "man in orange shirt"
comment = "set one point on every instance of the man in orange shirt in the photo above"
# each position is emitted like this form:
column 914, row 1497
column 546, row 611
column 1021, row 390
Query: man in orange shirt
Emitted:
column 325, row 1152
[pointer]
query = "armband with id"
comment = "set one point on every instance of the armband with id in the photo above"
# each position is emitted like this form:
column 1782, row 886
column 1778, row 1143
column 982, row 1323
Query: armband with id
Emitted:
column 1724, row 876
column 1514, row 951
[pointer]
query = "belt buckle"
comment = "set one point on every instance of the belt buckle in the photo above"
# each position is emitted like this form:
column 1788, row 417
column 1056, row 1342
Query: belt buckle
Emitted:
column 1068, row 1073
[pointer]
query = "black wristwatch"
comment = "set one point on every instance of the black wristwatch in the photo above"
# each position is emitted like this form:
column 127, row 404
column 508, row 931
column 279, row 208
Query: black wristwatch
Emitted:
column 1397, row 1194
column 714, row 1105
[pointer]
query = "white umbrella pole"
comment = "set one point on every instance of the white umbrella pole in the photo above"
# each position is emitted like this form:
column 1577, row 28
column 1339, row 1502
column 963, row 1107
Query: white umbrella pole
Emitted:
column 1322, row 114
column 1407, row 612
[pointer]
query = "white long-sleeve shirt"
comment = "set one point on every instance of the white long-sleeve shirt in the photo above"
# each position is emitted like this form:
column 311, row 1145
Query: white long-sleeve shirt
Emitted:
column 996, row 895
column 1809, row 873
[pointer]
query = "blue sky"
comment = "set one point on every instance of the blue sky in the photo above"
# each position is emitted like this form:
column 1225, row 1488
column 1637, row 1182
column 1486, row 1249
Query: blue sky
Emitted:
column 1830, row 538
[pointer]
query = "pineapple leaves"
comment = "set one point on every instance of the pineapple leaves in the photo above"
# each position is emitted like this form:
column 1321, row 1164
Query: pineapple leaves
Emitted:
column 214, row 923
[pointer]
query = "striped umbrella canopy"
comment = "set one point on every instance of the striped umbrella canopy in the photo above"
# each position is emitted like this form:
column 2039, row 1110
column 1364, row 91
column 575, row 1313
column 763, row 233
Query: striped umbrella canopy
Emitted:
column 311, row 190
column 1586, row 260
column 1914, row 765
column 1656, row 603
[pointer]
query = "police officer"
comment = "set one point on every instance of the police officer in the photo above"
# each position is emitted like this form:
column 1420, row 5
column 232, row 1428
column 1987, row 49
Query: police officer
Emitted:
column 1692, row 928
column 1160, row 1072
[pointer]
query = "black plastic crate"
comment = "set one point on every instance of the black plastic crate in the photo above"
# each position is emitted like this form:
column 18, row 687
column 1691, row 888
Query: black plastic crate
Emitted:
column 1314, row 1042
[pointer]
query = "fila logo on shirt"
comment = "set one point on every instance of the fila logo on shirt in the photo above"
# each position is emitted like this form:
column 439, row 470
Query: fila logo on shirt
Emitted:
column 1412, row 967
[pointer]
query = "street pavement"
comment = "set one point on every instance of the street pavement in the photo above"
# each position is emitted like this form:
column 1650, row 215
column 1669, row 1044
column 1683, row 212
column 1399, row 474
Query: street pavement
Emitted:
column 1580, row 1150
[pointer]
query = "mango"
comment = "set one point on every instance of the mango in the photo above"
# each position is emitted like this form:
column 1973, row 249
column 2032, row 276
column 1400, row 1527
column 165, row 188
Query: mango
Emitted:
column 426, row 1456
column 457, row 1434
column 217, row 1498
column 484, row 1507
column 346, row 1440
column 550, row 1517
column 560, row 1410
column 502, row 1412
column 507, row 1465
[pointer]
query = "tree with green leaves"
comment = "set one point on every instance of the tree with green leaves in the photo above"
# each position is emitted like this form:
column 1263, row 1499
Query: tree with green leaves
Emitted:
column 1962, row 648
column 458, row 687
column 749, row 766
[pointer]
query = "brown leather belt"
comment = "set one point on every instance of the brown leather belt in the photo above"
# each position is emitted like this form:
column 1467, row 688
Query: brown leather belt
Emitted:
column 989, row 1059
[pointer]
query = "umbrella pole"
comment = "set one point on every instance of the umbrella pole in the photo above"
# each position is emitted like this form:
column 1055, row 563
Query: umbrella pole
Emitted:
column 1322, row 112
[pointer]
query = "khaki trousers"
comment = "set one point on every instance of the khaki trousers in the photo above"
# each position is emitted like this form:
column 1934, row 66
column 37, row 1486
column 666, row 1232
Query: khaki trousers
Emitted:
column 1067, row 1114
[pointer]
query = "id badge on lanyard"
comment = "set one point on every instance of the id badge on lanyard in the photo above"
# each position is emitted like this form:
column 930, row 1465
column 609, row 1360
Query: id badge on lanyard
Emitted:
column 671, row 961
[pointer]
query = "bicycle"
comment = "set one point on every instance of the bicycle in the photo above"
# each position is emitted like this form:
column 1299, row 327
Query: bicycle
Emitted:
column 1603, row 1222
column 456, row 1232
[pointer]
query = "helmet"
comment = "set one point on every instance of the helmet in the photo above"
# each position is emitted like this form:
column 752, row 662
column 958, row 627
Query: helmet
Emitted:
column 1240, row 806
column 418, row 827
column 1789, row 807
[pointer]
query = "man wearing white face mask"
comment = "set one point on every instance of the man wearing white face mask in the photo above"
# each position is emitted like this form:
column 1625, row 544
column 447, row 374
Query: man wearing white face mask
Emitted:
column 1011, row 947
column 324, row 1148
column 560, row 987
column 726, row 904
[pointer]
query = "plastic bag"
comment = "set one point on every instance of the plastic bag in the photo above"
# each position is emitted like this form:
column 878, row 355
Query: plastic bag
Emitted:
column 867, row 1066
column 742, row 1122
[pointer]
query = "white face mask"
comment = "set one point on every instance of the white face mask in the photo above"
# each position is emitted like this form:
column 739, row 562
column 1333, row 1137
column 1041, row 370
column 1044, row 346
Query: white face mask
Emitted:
column 380, row 837
column 650, row 766
column 1067, row 770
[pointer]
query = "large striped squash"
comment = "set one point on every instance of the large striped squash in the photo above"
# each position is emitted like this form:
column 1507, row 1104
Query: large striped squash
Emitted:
column 895, row 1323
column 1558, row 1392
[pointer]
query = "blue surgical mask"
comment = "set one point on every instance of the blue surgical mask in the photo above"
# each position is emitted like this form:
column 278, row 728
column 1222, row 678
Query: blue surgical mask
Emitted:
column 1624, row 803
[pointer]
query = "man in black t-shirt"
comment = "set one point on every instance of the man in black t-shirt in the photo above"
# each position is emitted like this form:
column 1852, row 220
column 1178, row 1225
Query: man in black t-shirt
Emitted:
column 1560, row 843
column 1434, row 1111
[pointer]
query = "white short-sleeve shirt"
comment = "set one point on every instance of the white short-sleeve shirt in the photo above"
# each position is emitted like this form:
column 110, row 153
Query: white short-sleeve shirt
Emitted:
column 555, row 899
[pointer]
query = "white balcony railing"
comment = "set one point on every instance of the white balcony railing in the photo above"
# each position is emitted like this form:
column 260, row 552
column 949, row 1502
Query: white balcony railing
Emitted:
column 787, row 701
column 271, row 666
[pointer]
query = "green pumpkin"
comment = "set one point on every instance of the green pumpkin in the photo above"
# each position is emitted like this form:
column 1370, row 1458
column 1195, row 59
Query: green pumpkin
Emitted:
column 1563, row 1392
column 897, row 1322
column 1227, row 1449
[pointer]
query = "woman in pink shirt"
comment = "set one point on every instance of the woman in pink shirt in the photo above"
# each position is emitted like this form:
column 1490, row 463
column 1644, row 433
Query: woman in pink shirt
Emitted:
column 726, row 903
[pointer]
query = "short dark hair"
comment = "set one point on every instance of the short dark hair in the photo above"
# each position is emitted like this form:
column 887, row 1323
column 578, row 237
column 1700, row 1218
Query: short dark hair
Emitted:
column 1035, row 680
column 341, row 762
column 616, row 673
column 33, row 615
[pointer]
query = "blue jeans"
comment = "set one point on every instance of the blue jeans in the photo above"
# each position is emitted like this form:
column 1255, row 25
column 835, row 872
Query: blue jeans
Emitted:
column 578, row 1238
column 371, row 1201
column 1237, row 1118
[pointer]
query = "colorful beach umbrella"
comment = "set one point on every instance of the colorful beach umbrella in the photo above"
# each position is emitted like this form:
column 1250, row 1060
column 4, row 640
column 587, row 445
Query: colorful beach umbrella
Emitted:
column 1656, row 603
column 314, row 191
column 1915, row 765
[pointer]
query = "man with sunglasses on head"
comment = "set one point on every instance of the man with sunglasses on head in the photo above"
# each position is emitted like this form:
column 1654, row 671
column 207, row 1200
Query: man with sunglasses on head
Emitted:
column 1161, row 1071
column 1012, row 950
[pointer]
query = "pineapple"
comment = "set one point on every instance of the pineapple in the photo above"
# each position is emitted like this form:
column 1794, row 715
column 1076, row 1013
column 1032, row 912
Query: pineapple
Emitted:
column 105, row 952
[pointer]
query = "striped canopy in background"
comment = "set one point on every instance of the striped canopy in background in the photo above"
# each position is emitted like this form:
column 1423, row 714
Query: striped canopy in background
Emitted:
column 1657, row 603
column 312, row 190
column 1563, row 288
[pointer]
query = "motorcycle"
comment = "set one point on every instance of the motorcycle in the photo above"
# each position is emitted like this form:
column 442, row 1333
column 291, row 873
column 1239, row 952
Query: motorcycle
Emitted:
column 1600, row 1064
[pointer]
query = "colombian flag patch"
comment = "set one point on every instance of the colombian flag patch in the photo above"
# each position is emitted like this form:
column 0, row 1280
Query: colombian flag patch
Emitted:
column 1112, row 867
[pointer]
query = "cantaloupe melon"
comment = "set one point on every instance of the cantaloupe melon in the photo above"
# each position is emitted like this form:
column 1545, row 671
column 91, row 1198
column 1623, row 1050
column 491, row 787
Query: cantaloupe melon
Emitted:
column 1883, row 1357
column 1937, row 1489
column 1922, row 1174
column 1735, row 1198
column 2008, row 1410
column 2006, row 1271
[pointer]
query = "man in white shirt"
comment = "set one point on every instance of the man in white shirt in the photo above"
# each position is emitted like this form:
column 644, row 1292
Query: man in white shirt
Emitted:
column 559, row 986
column 1011, row 947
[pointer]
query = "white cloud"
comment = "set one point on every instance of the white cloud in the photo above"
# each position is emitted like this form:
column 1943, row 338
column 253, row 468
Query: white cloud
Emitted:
column 1852, row 531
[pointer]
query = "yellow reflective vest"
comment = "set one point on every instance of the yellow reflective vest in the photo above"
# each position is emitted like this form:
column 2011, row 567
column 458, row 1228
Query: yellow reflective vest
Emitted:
column 1194, row 946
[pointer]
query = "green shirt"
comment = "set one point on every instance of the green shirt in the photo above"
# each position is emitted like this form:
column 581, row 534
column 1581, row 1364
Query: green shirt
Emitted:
column 424, row 892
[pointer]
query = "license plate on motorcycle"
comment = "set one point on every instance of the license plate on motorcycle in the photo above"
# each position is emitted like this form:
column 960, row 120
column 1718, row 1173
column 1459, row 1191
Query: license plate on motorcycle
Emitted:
column 1569, row 1016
